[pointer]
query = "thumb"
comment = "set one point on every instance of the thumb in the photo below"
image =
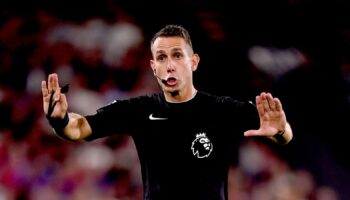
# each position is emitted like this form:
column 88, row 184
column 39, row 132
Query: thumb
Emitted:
column 251, row 133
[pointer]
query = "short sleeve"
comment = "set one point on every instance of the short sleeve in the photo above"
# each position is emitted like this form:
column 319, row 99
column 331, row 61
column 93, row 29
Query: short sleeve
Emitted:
column 118, row 117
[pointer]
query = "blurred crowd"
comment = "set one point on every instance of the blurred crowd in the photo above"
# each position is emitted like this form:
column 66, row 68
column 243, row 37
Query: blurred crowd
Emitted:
column 102, row 60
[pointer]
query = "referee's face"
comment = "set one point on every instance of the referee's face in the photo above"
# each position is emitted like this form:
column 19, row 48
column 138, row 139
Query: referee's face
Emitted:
column 174, row 62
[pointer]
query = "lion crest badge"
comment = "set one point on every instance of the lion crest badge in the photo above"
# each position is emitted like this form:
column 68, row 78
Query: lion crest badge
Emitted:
column 201, row 146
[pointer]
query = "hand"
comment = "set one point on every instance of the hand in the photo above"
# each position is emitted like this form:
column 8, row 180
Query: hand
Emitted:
column 52, row 92
column 271, row 114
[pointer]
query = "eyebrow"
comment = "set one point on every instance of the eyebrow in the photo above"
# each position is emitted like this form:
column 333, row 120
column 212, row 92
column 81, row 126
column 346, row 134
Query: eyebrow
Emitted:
column 160, row 52
column 172, row 50
column 176, row 49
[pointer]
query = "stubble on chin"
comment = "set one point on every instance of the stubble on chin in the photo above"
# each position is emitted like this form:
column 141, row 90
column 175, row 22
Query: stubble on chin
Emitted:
column 174, row 93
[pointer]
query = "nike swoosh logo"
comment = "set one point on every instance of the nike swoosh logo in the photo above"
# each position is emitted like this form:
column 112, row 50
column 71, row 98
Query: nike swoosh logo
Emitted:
column 156, row 118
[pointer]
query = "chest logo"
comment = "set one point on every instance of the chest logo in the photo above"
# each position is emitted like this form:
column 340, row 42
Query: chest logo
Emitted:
column 201, row 146
column 151, row 117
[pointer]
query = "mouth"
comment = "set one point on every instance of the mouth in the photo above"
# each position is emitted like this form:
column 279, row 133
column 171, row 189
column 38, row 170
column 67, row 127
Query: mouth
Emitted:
column 171, row 81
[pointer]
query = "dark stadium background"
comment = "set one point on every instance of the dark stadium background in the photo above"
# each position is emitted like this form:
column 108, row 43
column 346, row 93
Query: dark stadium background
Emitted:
column 296, row 49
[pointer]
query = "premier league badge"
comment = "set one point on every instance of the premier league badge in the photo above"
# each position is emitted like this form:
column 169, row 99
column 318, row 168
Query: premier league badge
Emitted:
column 201, row 146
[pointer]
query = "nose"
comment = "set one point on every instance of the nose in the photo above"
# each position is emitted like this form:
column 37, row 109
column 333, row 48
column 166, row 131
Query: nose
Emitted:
column 170, row 66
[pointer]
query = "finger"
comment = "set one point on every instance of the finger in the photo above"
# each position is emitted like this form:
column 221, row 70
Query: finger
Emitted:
column 59, row 107
column 49, row 84
column 265, row 103
column 249, row 133
column 64, row 101
column 44, row 90
column 259, row 105
column 53, row 83
column 270, row 101
column 278, row 104
column 45, row 93
column 54, row 100
column 56, row 97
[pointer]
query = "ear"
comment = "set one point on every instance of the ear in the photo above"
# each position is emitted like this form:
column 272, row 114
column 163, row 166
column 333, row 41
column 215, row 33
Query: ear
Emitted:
column 195, row 61
column 151, row 62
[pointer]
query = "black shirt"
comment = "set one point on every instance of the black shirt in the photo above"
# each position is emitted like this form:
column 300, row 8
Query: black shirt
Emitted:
column 185, row 149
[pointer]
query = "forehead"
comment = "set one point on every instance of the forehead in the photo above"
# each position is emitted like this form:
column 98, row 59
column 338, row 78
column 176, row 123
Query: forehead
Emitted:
column 168, row 44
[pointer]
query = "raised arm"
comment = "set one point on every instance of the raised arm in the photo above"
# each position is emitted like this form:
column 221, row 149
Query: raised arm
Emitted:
column 273, row 121
column 70, row 126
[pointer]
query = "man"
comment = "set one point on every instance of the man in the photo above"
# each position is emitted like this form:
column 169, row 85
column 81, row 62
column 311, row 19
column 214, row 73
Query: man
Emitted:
column 186, row 139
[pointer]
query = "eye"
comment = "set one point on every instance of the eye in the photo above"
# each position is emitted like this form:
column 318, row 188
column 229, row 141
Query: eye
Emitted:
column 161, row 57
column 178, row 55
column 204, row 140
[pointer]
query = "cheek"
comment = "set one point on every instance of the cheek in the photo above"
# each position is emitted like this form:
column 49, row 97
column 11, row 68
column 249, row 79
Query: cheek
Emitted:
column 187, row 68
column 160, row 67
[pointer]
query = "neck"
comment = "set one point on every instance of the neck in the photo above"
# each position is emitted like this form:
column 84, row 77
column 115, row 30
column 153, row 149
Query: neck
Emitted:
column 180, row 96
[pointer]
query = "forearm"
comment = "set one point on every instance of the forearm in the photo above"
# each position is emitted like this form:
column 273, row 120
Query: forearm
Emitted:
column 77, row 129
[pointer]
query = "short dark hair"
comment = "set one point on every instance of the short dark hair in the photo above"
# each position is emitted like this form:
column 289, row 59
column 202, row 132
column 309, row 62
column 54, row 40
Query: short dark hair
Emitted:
column 172, row 30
